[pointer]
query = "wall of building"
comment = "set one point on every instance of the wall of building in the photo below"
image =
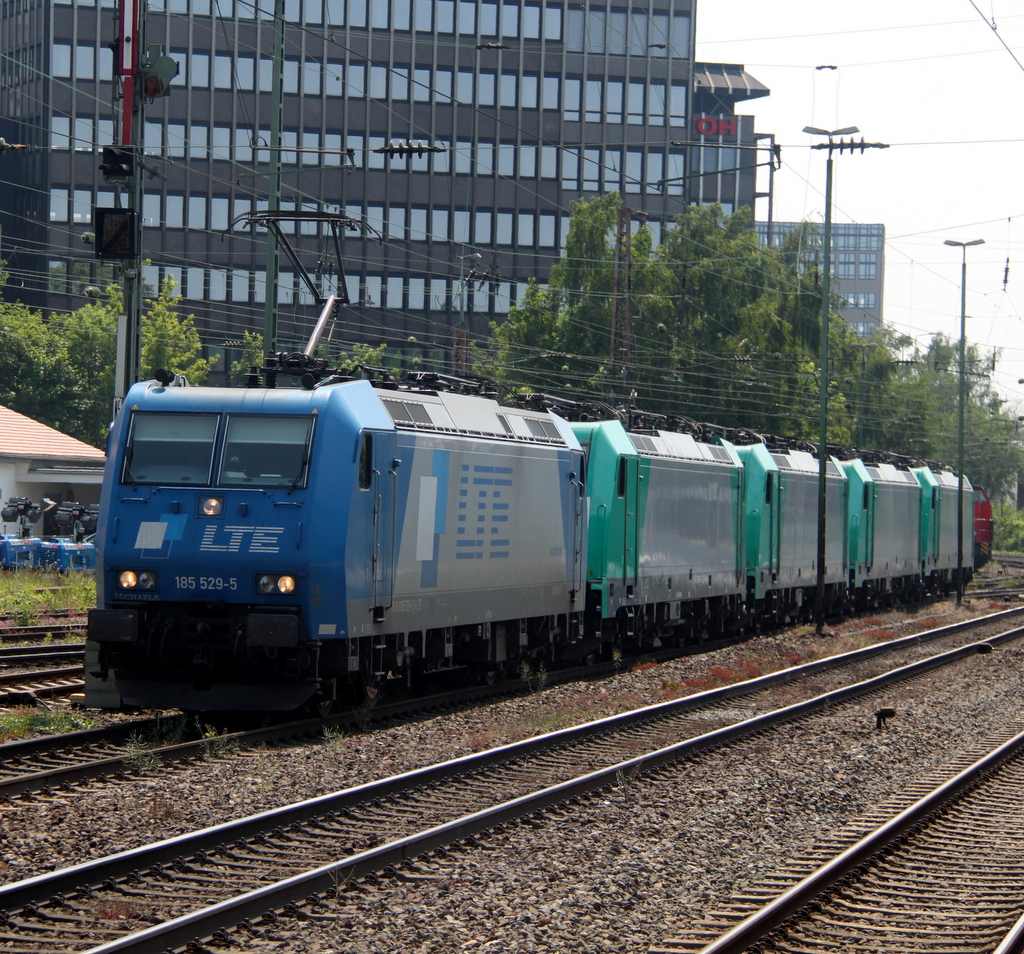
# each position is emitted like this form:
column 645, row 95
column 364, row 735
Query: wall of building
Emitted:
column 537, row 104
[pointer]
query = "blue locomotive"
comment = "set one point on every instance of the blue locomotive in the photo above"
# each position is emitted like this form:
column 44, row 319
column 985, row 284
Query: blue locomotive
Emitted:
column 261, row 547
column 269, row 548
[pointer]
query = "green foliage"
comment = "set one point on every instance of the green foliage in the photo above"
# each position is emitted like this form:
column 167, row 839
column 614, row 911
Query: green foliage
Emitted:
column 724, row 330
column 1008, row 530
column 25, row 723
column 61, row 371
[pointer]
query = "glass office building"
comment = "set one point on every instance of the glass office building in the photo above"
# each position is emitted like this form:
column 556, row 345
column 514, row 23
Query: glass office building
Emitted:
column 536, row 103
column 858, row 266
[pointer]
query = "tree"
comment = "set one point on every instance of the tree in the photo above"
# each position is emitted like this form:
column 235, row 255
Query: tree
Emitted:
column 172, row 342
column 726, row 331
column 61, row 371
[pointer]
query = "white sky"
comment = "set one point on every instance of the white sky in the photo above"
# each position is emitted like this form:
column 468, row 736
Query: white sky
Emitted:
column 934, row 81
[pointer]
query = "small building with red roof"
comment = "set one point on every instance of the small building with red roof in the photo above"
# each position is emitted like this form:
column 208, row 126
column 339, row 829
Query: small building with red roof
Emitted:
column 37, row 461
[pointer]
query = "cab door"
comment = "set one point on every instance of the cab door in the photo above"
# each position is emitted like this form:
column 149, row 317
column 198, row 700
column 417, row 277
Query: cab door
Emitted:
column 378, row 476
column 629, row 492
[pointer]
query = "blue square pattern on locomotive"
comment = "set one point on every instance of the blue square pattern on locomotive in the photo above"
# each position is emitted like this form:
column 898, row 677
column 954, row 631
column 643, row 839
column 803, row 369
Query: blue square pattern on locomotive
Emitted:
column 487, row 517
column 458, row 516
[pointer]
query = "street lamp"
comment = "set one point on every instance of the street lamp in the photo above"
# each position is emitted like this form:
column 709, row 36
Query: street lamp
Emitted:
column 963, row 246
column 826, row 276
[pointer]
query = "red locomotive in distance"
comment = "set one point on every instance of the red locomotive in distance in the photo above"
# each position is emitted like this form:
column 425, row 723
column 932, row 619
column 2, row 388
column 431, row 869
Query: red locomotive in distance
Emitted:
column 982, row 527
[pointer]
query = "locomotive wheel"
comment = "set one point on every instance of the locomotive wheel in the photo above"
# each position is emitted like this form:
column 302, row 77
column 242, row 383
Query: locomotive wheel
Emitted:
column 373, row 689
column 321, row 706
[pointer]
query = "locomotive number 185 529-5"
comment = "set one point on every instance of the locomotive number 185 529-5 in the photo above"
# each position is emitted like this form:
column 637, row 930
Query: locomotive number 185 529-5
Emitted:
column 206, row 583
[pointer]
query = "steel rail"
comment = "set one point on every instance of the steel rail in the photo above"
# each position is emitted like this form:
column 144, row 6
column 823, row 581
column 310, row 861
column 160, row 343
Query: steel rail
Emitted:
column 18, row 679
column 255, row 903
column 775, row 913
column 117, row 765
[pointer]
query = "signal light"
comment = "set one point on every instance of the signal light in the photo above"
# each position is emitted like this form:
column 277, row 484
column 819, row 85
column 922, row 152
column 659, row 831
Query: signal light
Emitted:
column 118, row 165
column 116, row 233
column 158, row 69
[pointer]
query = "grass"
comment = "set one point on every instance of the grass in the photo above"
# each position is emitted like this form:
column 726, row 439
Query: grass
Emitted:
column 29, row 594
column 24, row 723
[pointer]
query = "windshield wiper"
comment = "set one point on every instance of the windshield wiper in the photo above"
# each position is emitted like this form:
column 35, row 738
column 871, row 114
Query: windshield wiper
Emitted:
column 298, row 476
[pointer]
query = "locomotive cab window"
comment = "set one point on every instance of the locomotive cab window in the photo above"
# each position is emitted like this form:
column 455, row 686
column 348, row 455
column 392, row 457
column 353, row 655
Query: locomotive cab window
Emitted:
column 266, row 452
column 170, row 449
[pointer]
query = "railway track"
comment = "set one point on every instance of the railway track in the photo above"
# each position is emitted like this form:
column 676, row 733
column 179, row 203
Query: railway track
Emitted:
column 18, row 688
column 944, row 873
column 60, row 761
column 68, row 627
column 26, row 655
column 182, row 888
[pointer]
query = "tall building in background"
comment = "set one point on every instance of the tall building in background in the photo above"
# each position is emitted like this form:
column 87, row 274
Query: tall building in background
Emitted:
column 858, row 266
column 538, row 104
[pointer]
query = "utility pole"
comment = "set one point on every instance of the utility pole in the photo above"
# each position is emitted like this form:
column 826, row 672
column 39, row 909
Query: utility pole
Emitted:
column 274, row 203
column 963, row 246
column 622, row 304
column 826, row 305
column 142, row 75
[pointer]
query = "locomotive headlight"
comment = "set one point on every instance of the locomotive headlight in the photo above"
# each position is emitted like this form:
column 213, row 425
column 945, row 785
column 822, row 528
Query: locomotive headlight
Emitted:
column 211, row 506
column 136, row 580
column 274, row 583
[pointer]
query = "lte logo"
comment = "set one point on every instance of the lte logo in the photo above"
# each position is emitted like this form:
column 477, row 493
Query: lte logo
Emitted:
column 218, row 539
column 709, row 126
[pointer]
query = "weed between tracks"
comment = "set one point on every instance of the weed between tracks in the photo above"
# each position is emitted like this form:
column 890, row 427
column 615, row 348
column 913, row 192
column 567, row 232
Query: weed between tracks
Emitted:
column 25, row 722
column 29, row 594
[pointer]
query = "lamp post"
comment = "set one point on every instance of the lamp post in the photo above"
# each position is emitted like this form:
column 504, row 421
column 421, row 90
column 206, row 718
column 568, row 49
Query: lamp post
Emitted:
column 963, row 246
column 826, row 277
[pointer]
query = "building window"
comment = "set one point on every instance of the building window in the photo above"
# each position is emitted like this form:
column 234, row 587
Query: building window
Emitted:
column 197, row 212
column 174, row 216
column 417, row 294
column 571, row 101
column 524, row 229
column 218, row 214
column 199, row 69
column 85, row 62
column 510, row 20
column 635, row 104
column 482, row 227
column 656, row 172
column 222, row 72
column 81, row 209
column 550, row 93
column 60, row 61
column 591, row 170
column 198, row 142
column 868, row 266
column 58, row 205
column 846, row 265
column 503, row 235
column 677, row 104
column 444, row 13
column 570, row 170
column 549, row 162
column 218, row 284
column 60, row 132
column 527, row 162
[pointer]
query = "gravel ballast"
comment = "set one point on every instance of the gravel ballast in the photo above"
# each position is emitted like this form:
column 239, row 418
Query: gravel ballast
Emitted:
column 620, row 871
